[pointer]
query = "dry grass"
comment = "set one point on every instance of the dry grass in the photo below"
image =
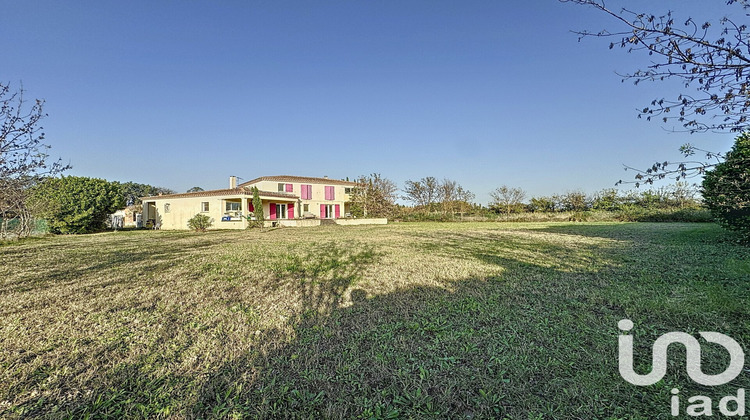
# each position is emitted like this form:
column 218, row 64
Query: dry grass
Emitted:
column 470, row 320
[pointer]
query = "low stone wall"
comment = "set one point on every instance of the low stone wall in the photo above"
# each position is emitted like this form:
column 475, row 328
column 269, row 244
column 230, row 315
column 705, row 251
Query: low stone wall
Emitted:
column 317, row 222
column 352, row 222
column 299, row 222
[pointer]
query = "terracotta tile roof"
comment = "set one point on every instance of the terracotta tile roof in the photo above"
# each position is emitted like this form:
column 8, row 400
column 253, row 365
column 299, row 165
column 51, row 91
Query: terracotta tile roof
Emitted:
column 299, row 179
column 228, row 191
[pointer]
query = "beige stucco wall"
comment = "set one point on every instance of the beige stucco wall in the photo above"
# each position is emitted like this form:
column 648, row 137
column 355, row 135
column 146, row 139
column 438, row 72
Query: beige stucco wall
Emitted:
column 183, row 209
column 318, row 195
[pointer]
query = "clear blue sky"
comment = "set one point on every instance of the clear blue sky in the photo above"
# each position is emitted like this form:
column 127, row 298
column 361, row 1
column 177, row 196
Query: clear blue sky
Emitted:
column 185, row 93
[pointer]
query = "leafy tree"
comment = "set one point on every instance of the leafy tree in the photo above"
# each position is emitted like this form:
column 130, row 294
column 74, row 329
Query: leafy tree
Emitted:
column 542, row 204
column 453, row 197
column 507, row 199
column 683, row 194
column 712, row 63
column 374, row 196
column 200, row 222
column 712, row 59
column 258, row 218
column 23, row 159
column 463, row 200
column 77, row 204
column 726, row 188
column 447, row 190
column 608, row 200
column 575, row 201
column 195, row 189
column 132, row 192
column 424, row 192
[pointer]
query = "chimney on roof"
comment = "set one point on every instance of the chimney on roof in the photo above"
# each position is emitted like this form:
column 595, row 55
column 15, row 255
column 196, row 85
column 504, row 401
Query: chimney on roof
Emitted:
column 325, row 176
column 232, row 182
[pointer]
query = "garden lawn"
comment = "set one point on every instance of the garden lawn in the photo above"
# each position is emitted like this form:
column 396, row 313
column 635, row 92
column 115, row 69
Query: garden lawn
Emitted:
column 423, row 320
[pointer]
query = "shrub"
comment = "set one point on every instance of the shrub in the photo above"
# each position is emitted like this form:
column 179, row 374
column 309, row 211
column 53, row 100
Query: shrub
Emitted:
column 200, row 222
column 726, row 188
column 74, row 204
column 579, row 216
column 635, row 213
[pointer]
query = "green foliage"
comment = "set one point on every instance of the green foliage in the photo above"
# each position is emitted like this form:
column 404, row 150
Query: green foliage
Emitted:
column 579, row 216
column 507, row 200
column 607, row 200
column 374, row 196
column 199, row 223
column 541, row 204
column 726, row 188
column 24, row 161
column 132, row 192
column 257, row 219
column 633, row 213
column 74, row 204
column 575, row 201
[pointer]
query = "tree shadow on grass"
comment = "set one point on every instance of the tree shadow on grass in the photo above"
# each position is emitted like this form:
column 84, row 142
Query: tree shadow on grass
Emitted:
column 644, row 232
column 66, row 263
column 533, row 250
column 184, row 360
column 469, row 348
column 463, row 351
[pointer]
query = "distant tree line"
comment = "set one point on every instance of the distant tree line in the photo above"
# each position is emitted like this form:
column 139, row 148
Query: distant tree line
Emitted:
column 446, row 199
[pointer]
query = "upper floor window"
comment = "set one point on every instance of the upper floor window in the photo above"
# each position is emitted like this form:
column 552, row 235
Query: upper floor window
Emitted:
column 347, row 190
column 166, row 207
column 204, row 206
column 281, row 187
column 306, row 192
column 330, row 193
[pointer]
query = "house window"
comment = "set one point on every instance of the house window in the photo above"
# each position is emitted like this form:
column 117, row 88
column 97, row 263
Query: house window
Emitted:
column 306, row 208
column 281, row 186
column 347, row 190
column 289, row 188
column 281, row 211
column 204, row 207
column 306, row 192
column 330, row 194
column 233, row 206
column 166, row 207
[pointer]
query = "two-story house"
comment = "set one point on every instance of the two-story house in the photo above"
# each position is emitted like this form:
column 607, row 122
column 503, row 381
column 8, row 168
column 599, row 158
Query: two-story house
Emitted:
column 287, row 200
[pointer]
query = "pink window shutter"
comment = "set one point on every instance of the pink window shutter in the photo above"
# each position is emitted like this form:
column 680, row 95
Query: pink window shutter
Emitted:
column 322, row 211
column 289, row 188
column 250, row 206
column 272, row 211
column 290, row 211
column 333, row 193
column 338, row 211
column 309, row 192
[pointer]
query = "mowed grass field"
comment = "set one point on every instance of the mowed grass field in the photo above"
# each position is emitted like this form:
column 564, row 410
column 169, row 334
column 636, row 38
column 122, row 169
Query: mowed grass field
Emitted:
column 433, row 320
